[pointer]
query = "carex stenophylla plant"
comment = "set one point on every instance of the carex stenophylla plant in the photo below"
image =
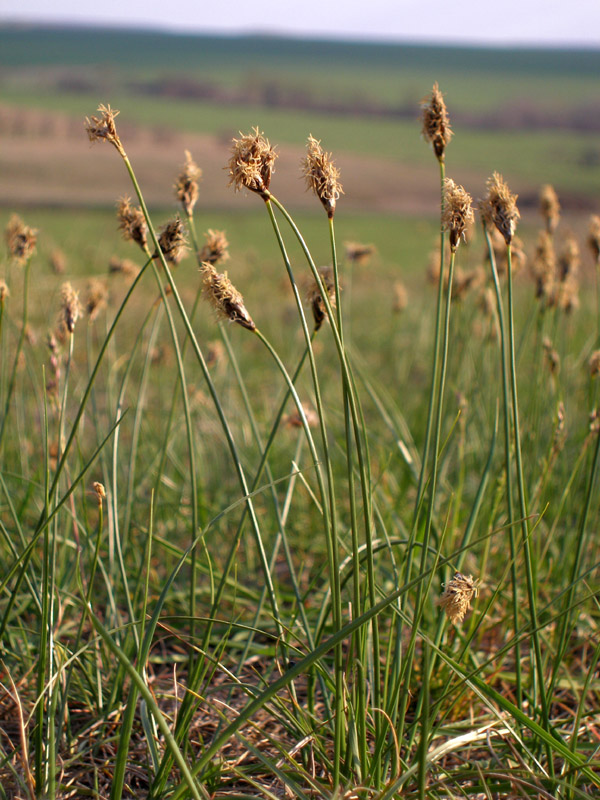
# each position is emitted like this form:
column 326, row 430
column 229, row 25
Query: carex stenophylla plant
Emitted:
column 275, row 594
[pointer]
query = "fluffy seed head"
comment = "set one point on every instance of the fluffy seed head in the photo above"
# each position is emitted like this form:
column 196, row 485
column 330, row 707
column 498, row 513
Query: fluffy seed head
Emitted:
column 186, row 185
column 70, row 307
column 594, row 364
column 103, row 128
column 4, row 292
column 551, row 354
column 95, row 301
column 20, row 239
column 436, row 124
column 215, row 248
column 400, row 302
column 173, row 241
column 543, row 267
column 58, row 261
column 224, row 297
column 570, row 258
column 549, row 207
column 500, row 207
column 458, row 211
column 321, row 175
column 123, row 266
column 457, row 595
column 358, row 253
column 252, row 162
column 132, row 223
column 594, row 237
column 100, row 491
column 315, row 296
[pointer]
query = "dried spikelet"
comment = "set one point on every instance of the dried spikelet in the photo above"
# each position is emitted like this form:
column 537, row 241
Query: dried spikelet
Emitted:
column 359, row 253
column 96, row 298
column 123, row 266
column 543, row 267
column 173, row 241
column 294, row 420
column 186, row 186
column 252, row 162
column 500, row 207
column 568, row 294
column 58, row 261
column 224, row 297
column 570, row 258
column 457, row 595
column 132, row 223
column 103, row 128
column 4, row 291
column 594, row 364
column 20, row 239
column 549, row 207
column 594, row 237
column 315, row 296
column 457, row 212
column 70, row 307
column 436, row 124
column 100, row 491
column 400, row 298
column 215, row 353
column 215, row 248
column 552, row 357
column 321, row 175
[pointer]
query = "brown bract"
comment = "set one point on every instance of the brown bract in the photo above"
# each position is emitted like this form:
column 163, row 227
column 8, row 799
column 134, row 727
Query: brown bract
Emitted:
column 173, row 241
column 103, row 128
column 224, row 297
column 436, row 123
column 186, row 186
column 500, row 207
column 20, row 239
column 132, row 223
column 252, row 162
column 457, row 595
column 321, row 175
column 458, row 211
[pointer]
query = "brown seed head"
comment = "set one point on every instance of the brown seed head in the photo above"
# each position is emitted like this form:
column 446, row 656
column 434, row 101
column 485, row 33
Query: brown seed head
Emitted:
column 458, row 211
column 570, row 258
column 594, row 364
column 216, row 247
column 358, row 253
column 4, row 291
column 315, row 296
column 123, row 266
column 103, row 128
column 173, row 241
column 97, row 295
column 436, row 124
column 457, row 595
column 594, row 237
column 132, row 223
column 543, row 267
column 100, row 491
column 186, row 186
column 552, row 357
column 20, row 239
column 224, row 297
column 70, row 307
column 252, row 162
column 549, row 207
column 321, row 175
column 58, row 261
column 400, row 297
column 294, row 420
column 500, row 207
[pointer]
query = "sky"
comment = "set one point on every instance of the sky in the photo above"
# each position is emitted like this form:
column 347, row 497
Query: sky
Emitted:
column 501, row 22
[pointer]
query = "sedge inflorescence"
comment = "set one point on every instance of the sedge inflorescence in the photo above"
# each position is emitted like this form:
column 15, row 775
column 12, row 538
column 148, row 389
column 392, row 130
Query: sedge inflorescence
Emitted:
column 224, row 297
column 499, row 208
column 458, row 211
column 252, row 163
column 186, row 185
column 132, row 223
column 436, row 123
column 457, row 595
column 321, row 175
column 103, row 128
column 20, row 239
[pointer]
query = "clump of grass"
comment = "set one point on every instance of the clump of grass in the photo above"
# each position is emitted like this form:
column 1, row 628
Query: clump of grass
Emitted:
column 222, row 589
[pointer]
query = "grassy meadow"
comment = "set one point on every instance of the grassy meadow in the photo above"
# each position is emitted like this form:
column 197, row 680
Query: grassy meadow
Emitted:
column 314, row 534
